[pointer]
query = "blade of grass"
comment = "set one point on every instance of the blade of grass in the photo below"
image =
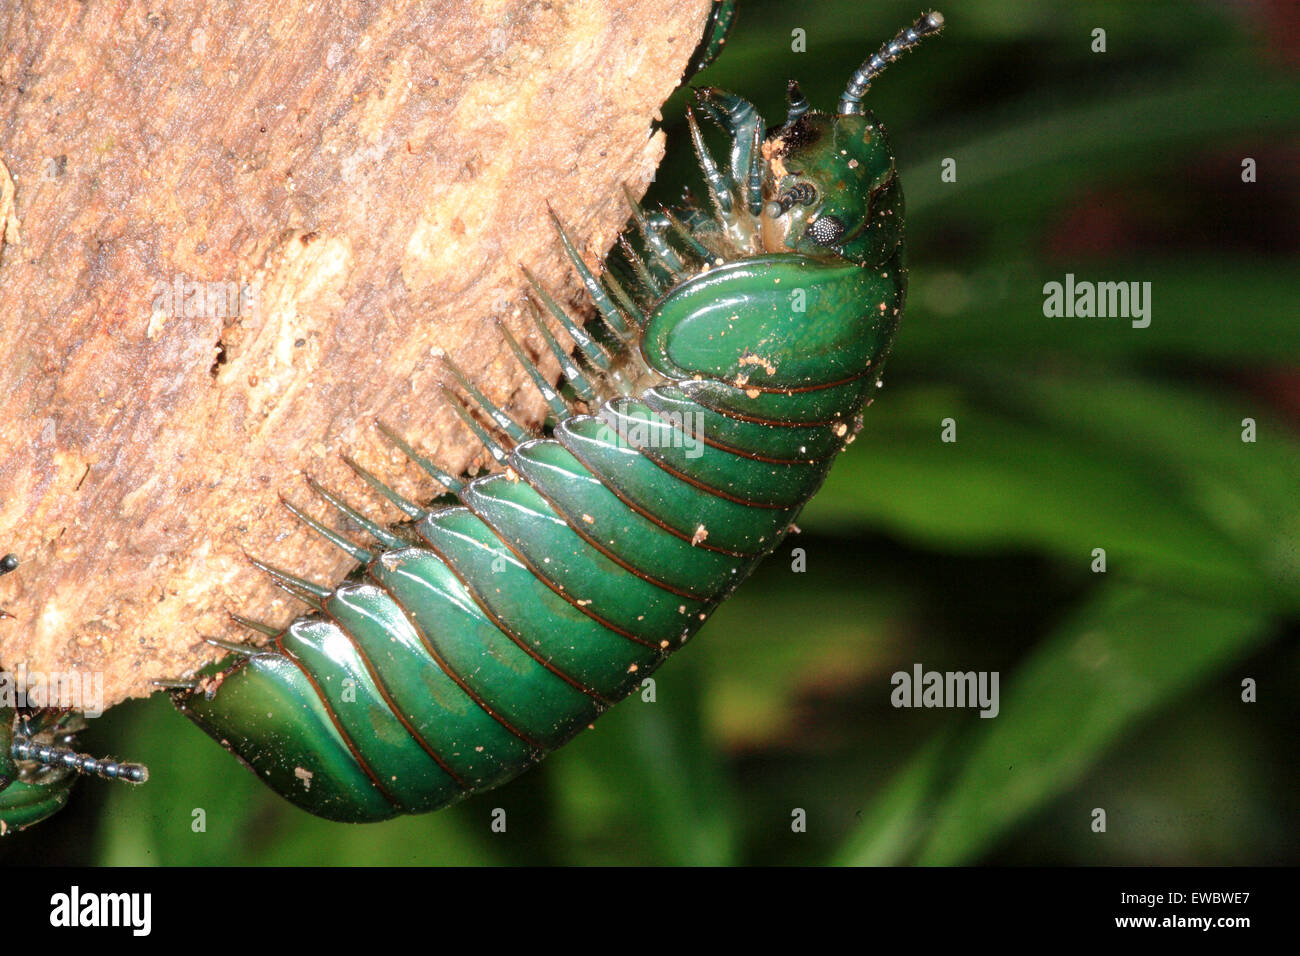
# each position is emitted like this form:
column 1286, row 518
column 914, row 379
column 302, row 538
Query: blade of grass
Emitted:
column 1127, row 653
column 1011, row 483
column 1114, row 134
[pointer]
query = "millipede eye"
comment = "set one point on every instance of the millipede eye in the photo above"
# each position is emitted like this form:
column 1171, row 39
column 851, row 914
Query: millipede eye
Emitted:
column 826, row 231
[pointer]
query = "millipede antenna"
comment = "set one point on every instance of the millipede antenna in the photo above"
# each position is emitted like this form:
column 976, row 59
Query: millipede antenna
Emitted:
column 79, row 763
column 904, row 40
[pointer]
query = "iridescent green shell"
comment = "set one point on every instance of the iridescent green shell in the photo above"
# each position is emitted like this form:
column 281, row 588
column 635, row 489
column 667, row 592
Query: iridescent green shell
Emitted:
column 736, row 350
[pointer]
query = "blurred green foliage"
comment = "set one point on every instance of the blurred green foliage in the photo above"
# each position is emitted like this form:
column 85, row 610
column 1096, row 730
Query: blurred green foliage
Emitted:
column 1120, row 690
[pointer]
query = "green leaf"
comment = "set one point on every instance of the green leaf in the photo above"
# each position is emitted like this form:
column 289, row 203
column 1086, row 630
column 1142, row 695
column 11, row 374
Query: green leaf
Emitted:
column 993, row 314
column 1129, row 652
column 649, row 769
column 895, row 823
column 1018, row 479
column 1112, row 135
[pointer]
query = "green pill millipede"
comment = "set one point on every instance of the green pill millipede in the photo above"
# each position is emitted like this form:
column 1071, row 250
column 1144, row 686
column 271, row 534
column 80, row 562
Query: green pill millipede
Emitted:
column 735, row 350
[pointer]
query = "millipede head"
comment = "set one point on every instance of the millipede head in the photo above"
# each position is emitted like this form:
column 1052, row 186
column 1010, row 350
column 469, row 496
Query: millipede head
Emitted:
column 832, row 184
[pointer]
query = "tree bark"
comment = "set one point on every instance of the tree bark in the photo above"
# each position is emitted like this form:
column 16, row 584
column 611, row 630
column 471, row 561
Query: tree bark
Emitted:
column 234, row 235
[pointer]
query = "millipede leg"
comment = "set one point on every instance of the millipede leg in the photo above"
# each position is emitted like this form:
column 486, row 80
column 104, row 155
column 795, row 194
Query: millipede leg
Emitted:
column 165, row 684
column 378, row 532
column 643, row 273
column 625, row 300
column 307, row 591
column 504, row 422
column 664, row 254
column 356, row 552
column 604, row 305
column 586, row 344
column 755, row 179
column 719, row 189
column 554, row 401
column 580, row 384
column 407, row 507
column 231, row 646
column 498, row 453
column 429, row 468
column 252, row 625
column 680, row 230
column 746, row 128
column 796, row 102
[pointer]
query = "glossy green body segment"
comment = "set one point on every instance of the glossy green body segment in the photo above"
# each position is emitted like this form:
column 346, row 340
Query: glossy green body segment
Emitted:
column 631, row 539
column 721, row 17
column 788, row 443
column 722, row 473
column 613, row 611
column 744, row 322
column 742, row 347
column 23, row 804
column 693, row 512
column 268, row 699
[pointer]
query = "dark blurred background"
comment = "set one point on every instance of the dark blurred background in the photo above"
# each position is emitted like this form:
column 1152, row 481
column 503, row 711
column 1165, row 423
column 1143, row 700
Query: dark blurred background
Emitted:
column 1120, row 690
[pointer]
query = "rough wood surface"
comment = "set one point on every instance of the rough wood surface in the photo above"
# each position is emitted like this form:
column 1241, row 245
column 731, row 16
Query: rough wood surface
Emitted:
column 337, row 191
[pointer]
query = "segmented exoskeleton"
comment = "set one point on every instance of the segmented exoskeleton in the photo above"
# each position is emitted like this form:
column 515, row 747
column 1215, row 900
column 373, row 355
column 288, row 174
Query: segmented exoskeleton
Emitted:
column 738, row 350
column 38, row 764
column 722, row 16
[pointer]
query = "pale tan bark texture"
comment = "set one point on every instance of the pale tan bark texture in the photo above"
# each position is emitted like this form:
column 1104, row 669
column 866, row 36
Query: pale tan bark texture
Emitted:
column 234, row 235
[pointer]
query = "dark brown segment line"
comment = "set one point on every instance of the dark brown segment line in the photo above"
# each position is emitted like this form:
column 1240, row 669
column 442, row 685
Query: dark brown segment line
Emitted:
column 755, row 456
column 510, row 633
column 625, row 565
column 684, row 386
column 716, row 492
column 542, row 576
column 347, row 739
column 392, row 705
column 800, row 390
column 633, row 506
column 428, row 642
column 732, row 449
column 772, row 422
